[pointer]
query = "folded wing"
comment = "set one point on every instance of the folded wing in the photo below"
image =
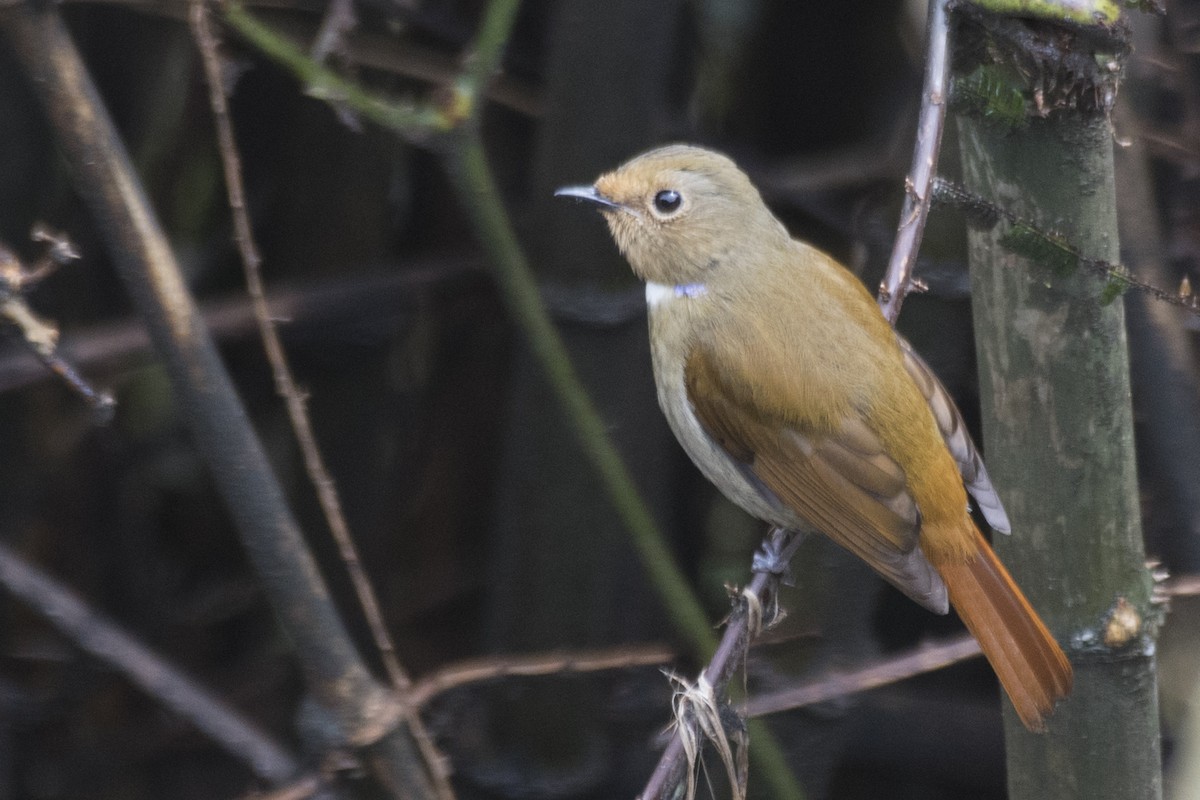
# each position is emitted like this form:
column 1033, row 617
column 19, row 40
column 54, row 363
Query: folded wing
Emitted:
column 841, row 481
column 958, row 440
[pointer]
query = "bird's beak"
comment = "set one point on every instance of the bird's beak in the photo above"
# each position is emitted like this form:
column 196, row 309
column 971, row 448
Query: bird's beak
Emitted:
column 587, row 193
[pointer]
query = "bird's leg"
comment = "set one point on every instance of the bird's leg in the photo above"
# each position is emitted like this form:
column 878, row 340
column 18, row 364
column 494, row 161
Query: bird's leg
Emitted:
column 773, row 558
column 775, row 553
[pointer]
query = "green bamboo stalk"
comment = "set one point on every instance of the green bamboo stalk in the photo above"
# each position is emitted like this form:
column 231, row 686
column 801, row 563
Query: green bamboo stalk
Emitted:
column 415, row 121
column 1059, row 435
column 1079, row 12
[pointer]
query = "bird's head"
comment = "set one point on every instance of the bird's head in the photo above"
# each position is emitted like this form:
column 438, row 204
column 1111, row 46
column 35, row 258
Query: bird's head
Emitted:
column 682, row 214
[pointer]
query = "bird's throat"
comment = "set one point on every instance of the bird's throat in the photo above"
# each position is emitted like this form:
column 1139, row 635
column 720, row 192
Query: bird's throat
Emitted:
column 659, row 293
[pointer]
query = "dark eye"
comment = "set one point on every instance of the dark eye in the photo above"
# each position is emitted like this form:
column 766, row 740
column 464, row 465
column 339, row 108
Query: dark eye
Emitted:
column 667, row 201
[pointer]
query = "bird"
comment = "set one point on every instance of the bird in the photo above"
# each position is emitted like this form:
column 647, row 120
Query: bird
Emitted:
column 790, row 391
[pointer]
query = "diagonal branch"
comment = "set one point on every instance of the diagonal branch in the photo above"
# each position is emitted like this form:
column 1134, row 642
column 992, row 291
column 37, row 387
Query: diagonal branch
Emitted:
column 921, row 659
column 368, row 298
column 492, row 668
column 744, row 624
column 918, row 186
column 170, row 686
column 294, row 400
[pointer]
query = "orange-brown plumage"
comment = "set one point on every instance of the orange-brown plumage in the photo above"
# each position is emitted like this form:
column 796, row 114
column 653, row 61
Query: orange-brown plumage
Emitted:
column 1031, row 666
column 790, row 391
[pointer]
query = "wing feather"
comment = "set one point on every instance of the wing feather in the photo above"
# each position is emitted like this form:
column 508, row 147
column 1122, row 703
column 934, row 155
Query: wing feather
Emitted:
column 958, row 439
column 841, row 482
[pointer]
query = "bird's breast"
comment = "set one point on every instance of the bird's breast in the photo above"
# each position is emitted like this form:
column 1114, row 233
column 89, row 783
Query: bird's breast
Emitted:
column 732, row 479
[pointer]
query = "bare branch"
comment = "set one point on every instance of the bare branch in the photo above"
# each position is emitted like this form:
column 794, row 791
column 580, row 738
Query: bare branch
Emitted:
column 111, row 644
column 1181, row 586
column 918, row 186
column 925, row 658
column 465, row 673
column 300, row 790
column 294, row 399
column 745, row 623
column 339, row 20
column 1053, row 250
column 362, row 48
column 42, row 337
column 364, row 298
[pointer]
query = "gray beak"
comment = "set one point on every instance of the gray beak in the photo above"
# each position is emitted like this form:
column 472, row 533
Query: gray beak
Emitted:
column 587, row 193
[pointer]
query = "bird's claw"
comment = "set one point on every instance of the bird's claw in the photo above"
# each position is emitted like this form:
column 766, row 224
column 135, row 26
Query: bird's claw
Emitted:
column 774, row 555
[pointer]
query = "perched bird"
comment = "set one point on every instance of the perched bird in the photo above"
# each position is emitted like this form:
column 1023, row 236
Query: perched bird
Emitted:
column 790, row 391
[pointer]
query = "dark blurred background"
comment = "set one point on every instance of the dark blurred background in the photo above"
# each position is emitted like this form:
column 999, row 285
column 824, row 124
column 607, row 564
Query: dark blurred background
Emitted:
column 480, row 523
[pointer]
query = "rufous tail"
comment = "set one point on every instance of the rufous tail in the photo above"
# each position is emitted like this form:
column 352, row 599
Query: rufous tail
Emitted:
column 1031, row 666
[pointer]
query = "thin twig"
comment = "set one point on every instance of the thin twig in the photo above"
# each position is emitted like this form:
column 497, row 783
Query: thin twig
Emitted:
column 110, row 643
column 299, row 790
column 416, row 122
column 482, row 62
column 918, row 186
column 893, row 669
column 479, row 670
column 102, row 403
column 285, row 383
column 294, row 399
column 42, row 337
column 339, row 20
column 1181, row 586
column 1053, row 248
column 367, row 299
column 362, row 48
column 730, row 653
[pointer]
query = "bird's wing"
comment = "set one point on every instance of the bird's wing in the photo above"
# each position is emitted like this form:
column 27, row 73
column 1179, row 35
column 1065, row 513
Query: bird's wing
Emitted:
column 841, row 482
column 957, row 438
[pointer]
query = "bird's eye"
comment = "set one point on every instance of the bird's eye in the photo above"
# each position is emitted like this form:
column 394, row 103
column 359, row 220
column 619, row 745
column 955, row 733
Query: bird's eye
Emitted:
column 667, row 202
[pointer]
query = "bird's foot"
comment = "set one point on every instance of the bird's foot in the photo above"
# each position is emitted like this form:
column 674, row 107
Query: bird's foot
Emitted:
column 774, row 555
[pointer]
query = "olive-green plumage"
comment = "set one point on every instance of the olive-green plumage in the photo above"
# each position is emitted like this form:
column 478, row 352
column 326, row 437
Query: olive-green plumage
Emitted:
column 790, row 391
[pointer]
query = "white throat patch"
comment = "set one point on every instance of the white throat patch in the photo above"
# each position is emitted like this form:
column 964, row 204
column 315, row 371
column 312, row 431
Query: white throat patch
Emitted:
column 659, row 293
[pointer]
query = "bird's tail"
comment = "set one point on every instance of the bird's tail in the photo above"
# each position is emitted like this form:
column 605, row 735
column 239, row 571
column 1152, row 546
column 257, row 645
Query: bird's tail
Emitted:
column 1031, row 666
